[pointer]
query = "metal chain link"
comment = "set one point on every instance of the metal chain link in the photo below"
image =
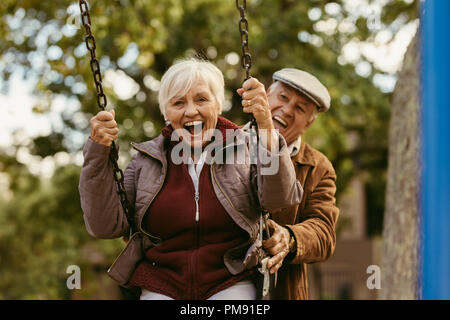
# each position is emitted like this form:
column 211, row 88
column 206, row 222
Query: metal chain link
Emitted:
column 246, row 58
column 243, row 30
column 101, row 101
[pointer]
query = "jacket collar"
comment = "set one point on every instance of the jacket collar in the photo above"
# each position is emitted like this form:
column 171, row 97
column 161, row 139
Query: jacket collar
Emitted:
column 294, row 147
column 156, row 148
column 305, row 155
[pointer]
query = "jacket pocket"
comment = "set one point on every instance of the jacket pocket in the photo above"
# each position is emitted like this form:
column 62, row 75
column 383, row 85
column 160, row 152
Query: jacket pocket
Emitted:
column 234, row 259
column 123, row 267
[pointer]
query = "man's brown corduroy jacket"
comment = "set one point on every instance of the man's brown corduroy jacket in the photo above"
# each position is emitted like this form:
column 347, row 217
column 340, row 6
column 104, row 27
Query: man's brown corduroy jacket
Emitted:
column 312, row 222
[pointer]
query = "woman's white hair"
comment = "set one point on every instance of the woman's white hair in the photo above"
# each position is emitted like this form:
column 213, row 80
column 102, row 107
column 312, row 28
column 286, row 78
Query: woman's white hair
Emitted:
column 185, row 74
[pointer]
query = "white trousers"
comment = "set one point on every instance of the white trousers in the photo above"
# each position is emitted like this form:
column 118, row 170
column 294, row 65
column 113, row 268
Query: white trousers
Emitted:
column 243, row 290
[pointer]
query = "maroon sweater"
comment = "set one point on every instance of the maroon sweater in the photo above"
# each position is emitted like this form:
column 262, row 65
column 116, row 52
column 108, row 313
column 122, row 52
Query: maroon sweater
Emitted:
column 188, row 264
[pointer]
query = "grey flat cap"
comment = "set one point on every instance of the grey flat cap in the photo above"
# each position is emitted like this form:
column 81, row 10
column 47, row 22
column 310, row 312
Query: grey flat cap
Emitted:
column 307, row 84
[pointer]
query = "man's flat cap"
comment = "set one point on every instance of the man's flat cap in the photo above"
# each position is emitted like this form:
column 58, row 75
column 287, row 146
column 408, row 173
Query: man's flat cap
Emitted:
column 307, row 84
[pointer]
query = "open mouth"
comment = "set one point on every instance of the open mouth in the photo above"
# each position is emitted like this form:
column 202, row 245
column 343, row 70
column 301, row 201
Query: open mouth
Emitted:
column 194, row 127
column 280, row 121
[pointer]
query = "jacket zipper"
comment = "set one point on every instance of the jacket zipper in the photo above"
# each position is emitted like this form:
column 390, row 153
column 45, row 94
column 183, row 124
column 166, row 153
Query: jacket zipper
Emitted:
column 192, row 295
column 196, row 198
column 192, row 262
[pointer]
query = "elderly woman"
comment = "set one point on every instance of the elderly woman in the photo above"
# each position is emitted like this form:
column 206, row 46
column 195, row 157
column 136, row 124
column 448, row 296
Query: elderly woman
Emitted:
column 196, row 221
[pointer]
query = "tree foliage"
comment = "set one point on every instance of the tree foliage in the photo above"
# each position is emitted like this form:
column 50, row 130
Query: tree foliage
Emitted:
column 41, row 226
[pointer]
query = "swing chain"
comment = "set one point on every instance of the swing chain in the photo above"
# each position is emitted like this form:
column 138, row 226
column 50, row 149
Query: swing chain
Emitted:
column 119, row 178
column 267, row 279
column 101, row 101
column 91, row 46
column 243, row 29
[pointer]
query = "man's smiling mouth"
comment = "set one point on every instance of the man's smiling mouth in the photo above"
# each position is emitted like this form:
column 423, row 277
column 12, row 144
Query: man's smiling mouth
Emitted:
column 280, row 121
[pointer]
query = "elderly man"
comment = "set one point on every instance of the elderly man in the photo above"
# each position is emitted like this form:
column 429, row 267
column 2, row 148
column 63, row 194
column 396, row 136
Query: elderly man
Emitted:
column 304, row 233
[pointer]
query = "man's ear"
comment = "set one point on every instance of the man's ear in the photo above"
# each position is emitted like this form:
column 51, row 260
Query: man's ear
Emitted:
column 309, row 123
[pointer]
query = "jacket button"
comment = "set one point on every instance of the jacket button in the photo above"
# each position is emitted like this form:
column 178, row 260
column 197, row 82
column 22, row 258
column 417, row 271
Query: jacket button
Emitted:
column 153, row 263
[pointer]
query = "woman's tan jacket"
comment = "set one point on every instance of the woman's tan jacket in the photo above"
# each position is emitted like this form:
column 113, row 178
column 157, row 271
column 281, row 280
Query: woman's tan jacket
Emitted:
column 234, row 185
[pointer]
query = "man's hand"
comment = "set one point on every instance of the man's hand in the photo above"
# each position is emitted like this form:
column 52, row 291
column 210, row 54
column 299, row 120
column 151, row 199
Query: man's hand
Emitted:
column 277, row 245
column 104, row 128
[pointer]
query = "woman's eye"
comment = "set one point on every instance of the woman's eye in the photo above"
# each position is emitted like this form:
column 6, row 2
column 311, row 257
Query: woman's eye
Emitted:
column 300, row 108
column 177, row 103
column 283, row 97
column 202, row 99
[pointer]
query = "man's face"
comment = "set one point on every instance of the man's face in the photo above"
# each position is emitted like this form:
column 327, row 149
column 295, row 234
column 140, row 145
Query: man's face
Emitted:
column 292, row 112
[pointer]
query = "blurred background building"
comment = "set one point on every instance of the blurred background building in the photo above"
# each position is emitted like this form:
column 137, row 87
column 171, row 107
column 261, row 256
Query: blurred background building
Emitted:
column 344, row 275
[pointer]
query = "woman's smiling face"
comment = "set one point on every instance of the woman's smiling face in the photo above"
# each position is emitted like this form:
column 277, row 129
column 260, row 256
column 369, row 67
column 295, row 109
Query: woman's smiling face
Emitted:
column 194, row 114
